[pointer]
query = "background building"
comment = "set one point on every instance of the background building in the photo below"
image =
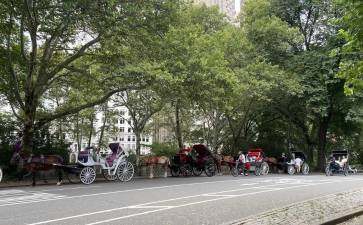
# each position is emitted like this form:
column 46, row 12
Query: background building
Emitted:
column 119, row 129
column 229, row 7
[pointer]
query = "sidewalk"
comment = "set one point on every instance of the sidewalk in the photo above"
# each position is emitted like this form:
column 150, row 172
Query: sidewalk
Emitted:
column 315, row 211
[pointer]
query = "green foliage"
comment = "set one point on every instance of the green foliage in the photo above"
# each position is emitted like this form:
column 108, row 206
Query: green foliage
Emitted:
column 351, row 68
column 163, row 149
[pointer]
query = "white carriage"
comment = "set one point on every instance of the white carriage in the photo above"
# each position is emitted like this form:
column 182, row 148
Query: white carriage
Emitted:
column 113, row 166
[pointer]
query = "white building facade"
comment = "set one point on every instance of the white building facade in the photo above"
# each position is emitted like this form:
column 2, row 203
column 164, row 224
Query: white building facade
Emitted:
column 231, row 8
column 119, row 130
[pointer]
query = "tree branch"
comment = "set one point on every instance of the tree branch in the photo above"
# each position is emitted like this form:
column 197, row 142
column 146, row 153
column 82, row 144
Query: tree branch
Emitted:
column 73, row 57
column 50, row 117
column 13, row 76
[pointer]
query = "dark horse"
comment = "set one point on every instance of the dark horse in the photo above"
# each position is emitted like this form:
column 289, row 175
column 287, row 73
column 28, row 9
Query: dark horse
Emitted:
column 34, row 164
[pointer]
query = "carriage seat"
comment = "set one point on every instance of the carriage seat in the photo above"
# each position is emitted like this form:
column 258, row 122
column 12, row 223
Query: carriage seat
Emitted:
column 83, row 155
column 256, row 156
column 116, row 153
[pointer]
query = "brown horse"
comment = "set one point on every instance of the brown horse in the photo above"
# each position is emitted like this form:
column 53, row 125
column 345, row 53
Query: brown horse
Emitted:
column 272, row 163
column 223, row 160
column 34, row 164
column 153, row 161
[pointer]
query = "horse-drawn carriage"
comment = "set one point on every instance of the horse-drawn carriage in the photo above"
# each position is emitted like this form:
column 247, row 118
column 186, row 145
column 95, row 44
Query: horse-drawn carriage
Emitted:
column 113, row 166
column 193, row 160
column 254, row 161
column 337, row 163
column 257, row 159
column 297, row 163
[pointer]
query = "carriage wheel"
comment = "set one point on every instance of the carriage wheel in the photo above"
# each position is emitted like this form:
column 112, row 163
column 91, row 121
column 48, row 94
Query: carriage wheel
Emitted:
column 72, row 175
column 210, row 169
column 197, row 171
column 305, row 169
column 264, row 168
column 328, row 171
column 107, row 176
column 174, row 171
column 234, row 171
column 291, row 170
column 258, row 170
column 186, row 170
column 87, row 175
column 125, row 171
column 237, row 170
column 1, row 174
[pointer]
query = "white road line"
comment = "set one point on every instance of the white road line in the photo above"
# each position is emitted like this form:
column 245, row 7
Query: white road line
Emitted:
column 249, row 184
column 132, row 215
column 215, row 195
column 183, row 205
column 124, row 191
column 144, row 204
column 173, row 199
column 149, row 207
column 62, row 189
column 6, row 192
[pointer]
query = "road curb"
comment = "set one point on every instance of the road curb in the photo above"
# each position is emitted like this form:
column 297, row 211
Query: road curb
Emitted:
column 341, row 219
column 327, row 220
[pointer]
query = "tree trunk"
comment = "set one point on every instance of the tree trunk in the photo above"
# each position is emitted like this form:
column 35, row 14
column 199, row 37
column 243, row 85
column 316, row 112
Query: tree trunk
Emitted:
column 138, row 146
column 178, row 131
column 103, row 125
column 323, row 129
column 29, row 127
column 28, row 136
column 76, row 132
column 90, row 130
column 310, row 152
column 60, row 131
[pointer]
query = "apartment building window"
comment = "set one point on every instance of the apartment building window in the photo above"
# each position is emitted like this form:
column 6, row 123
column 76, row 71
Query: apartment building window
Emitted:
column 115, row 138
column 122, row 113
column 147, row 139
column 129, row 130
column 133, row 138
column 143, row 139
column 121, row 139
column 122, row 121
column 122, row 129
column 128, row 138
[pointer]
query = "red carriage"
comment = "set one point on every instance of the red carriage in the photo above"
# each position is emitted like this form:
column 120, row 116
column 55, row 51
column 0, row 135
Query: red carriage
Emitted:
column 193, row 160
column 255, row 161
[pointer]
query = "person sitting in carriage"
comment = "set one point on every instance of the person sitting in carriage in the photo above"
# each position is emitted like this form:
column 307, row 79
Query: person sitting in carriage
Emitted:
column 297, row 162
column 334, row 163
column 244, row 159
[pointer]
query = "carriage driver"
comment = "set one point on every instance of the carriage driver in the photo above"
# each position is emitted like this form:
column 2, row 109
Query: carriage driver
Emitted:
column 243, row 159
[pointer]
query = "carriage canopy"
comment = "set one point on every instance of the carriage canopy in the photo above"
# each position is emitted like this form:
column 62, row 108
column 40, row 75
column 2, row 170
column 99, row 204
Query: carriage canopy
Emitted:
column 337, row 153
column 299, row 154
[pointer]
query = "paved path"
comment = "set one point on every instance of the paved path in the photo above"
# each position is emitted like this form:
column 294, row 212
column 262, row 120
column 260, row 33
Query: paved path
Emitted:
column 194, row 200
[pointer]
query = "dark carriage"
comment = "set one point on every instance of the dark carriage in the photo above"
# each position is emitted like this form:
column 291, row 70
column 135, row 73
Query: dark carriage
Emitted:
column 193, row 160
column 288, row 163
column 292, row 167
column 337, row 163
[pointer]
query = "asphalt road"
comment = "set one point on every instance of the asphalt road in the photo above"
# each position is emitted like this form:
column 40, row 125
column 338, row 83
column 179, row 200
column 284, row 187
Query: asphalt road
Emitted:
column 193, row 200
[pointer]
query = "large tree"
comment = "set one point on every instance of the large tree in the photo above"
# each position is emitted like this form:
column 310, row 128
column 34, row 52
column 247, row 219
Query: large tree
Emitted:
column 352, row 64
column 47, row 43
column 316, row 67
